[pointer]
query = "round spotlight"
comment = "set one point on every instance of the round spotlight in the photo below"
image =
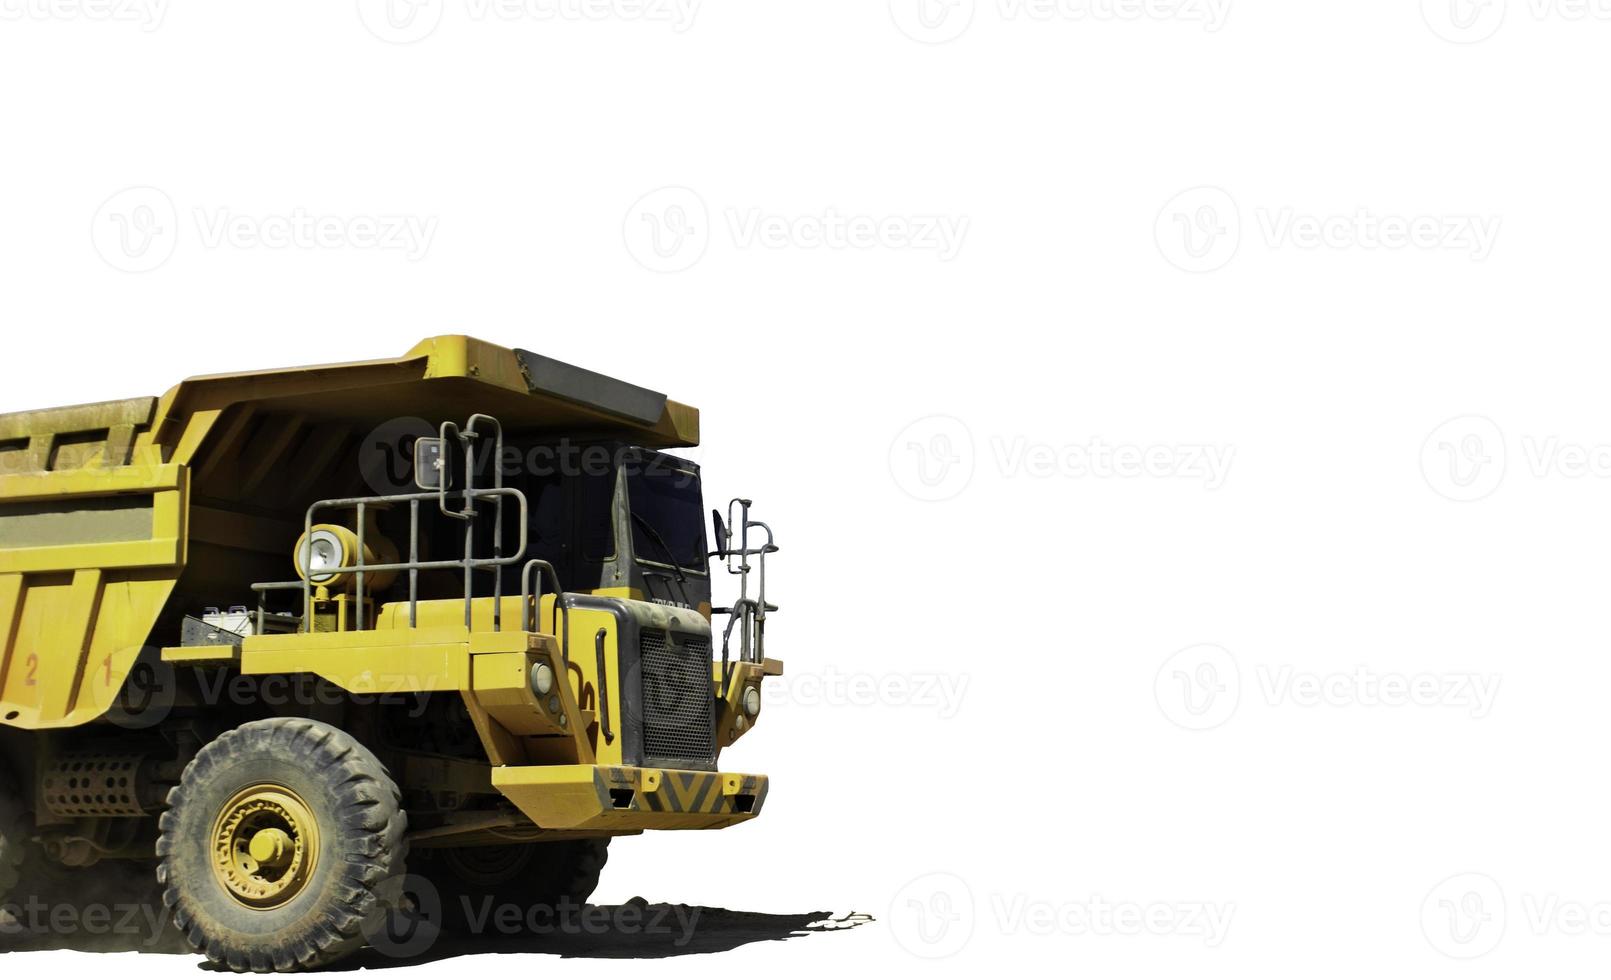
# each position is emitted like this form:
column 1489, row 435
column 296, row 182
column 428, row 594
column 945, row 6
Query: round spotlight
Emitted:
column 542, row 679
column 322, row 549
column 326, row 547
column 752, row 702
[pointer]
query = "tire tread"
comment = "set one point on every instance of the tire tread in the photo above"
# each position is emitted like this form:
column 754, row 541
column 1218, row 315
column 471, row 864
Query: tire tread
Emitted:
column 369, row 814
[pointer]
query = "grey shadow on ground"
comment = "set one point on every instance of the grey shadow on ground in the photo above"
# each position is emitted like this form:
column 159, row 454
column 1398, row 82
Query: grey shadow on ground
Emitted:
column 125, row 914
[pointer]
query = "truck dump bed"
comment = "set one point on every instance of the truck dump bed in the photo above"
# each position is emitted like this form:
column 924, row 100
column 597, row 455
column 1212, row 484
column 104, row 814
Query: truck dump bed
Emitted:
column 109, row 512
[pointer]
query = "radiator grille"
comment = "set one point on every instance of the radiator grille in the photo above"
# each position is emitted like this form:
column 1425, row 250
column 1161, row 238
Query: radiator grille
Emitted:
column 679, row 720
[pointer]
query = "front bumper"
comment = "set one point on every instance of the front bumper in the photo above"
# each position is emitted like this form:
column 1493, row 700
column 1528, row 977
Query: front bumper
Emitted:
column 630, row 798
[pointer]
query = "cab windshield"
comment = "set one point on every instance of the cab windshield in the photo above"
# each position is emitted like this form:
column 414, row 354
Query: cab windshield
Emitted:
column 667, row 512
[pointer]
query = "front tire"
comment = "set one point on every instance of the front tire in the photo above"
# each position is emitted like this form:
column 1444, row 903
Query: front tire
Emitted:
column 282, row 847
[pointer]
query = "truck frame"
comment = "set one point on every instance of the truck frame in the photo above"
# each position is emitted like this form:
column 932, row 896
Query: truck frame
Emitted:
column 286, row 636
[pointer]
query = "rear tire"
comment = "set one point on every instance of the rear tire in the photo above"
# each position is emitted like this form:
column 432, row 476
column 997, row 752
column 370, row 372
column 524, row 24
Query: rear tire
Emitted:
column 13, row 833
column 282, row 847
column 474, row 882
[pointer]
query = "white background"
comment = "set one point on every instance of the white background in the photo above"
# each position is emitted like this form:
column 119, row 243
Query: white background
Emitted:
column 1397, row 217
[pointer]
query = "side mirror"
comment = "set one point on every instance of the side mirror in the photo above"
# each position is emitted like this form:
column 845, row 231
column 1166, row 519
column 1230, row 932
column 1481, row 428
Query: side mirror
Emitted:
column 431, row 468
column 722, row 539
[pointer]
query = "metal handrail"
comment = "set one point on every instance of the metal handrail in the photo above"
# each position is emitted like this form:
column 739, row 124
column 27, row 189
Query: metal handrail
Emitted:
column 747, row 614
column 532, row 589
column 497, row 494
column 469, row 562
column 531, row 597
column 604, row 685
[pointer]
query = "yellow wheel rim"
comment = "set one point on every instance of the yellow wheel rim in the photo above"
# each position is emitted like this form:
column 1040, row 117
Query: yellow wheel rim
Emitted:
column 265, row 845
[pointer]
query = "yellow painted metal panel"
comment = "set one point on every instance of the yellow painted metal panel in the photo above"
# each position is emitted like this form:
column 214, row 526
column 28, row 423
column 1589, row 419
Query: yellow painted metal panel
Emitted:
column 77, row 614
column 200, row 655
column 90, row 482
column 581, row 797
column 10, row 613
column 369, row 662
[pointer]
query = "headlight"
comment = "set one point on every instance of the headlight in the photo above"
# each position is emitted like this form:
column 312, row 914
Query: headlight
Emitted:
column 542, row 679
column 752, row 701
column 324, row 551
column 322, row 548
column 329, row 546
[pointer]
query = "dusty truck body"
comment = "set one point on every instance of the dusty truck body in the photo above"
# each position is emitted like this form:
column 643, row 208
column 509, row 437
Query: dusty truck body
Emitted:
column 281, row 632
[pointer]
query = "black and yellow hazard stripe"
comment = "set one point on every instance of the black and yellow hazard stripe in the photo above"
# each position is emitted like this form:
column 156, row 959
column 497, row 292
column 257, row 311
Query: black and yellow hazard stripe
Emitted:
column 678, row 791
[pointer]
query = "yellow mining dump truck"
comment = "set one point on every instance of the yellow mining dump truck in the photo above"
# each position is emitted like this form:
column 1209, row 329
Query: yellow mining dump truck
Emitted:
column 283, row 634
